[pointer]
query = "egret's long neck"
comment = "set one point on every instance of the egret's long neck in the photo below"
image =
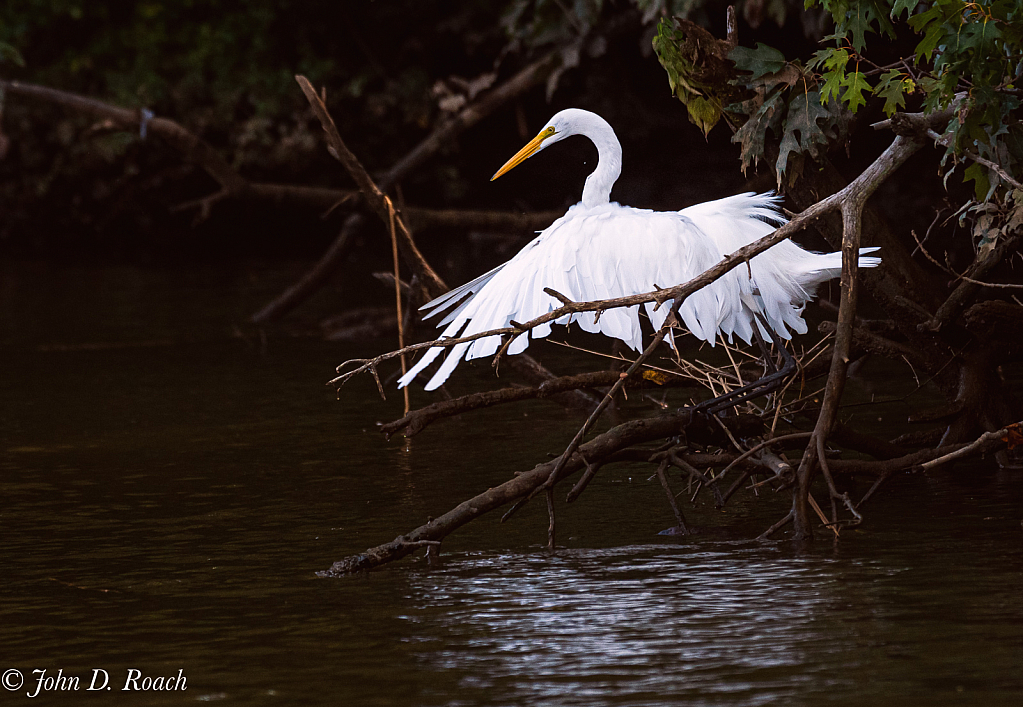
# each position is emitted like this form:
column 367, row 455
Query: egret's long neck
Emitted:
column 609, row 162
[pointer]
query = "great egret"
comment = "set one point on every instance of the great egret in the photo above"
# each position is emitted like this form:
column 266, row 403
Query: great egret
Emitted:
column 600, row 249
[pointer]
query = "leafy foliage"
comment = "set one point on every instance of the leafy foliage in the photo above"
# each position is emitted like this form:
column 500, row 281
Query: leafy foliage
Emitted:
column 967, row 54
column 697, row 67
column 967, row 51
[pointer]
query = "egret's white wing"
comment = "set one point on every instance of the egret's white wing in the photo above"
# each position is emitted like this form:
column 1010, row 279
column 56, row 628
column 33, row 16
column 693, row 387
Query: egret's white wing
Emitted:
column 608, row 251
column 589, row 254
column 435, row 306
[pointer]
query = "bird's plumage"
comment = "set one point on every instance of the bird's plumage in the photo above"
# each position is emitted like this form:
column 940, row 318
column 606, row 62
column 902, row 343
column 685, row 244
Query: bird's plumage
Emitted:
column 600, row 250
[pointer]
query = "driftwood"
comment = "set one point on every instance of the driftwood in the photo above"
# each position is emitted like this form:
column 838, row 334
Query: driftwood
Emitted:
column 624, row 435
column 618, row 445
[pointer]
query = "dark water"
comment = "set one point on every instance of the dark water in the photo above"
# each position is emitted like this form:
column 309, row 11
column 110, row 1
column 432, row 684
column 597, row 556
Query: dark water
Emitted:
column 171, row 484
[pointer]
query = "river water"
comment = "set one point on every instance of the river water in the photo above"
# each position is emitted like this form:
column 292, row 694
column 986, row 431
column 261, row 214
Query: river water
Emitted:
column 172, row 482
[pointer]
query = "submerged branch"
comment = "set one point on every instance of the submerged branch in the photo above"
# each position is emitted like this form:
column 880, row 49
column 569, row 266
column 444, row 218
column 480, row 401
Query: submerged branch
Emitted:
column 620, row 437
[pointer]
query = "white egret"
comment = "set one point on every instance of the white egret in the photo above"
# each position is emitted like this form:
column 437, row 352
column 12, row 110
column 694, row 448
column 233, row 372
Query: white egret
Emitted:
column 600, row 249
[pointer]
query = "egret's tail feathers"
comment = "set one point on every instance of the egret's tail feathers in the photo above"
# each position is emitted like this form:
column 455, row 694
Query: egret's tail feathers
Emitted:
column 829, row 265
column 420, row 365
column 431, row 355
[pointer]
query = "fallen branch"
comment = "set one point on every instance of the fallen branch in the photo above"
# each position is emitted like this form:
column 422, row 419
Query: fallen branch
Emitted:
column 416, row 421
column 624, row 435
column 192, row 148
column 986, row 442
column 852, row 200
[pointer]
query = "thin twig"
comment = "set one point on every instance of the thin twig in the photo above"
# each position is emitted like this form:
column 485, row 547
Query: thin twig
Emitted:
column 750, row 452
column 584, row 480
column 777, row 526
column 552, row 528
column 662, row 477
column 993, row 166
column 397, row 295
column 1001, row 435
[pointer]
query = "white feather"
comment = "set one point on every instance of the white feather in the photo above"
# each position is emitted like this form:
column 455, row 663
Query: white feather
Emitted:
column 600, row 250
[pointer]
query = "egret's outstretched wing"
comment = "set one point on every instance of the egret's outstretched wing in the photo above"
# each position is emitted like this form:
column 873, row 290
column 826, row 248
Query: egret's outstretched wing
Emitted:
column 595, row 253
column 436, row 306
column 588, row 254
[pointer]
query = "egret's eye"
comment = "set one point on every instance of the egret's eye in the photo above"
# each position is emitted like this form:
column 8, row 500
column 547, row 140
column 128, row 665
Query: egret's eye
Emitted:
column 549, row 131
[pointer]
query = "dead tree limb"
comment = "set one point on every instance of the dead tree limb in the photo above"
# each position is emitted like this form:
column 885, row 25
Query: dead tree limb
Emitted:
column 965, row 292
column 851, row 201
column 679, row 518
column 619, row 437
column 374, row 197
column 235, row 186
column 618, row 445
column 192, row 148
column 416, row 421
column 987, row 441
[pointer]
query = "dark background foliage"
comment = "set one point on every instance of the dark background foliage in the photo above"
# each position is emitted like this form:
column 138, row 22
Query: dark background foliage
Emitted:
column 392, row 71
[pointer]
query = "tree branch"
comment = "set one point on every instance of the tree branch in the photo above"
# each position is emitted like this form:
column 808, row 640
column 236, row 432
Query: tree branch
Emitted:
column 852, row 202
column 483, row 106
column 619, row 437
column 416, row 421
column 376, row 199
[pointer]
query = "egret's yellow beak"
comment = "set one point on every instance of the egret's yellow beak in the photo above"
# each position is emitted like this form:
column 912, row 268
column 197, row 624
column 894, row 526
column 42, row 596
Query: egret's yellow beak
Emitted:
column 525, row 153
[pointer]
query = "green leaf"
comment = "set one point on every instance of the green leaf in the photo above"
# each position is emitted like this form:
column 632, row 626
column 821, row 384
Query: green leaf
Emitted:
column 978, row 175
column 893, row 87
column 11, row 54
column 760, row 61
column 752, row 134
column 855, row 84
column 832, row 87
column 857, row 24
column 801, row 133
column 931, row 23
column 702, row 105
column 906, row 6
column 703, row 114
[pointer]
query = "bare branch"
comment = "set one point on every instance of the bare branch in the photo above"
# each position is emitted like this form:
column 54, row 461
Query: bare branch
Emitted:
column 987, row 441
column 617, row 438
column 416, row 421
column 525, row 79
column 376, row 199
column 996, row 168
column 192, row 148
column 853, row 201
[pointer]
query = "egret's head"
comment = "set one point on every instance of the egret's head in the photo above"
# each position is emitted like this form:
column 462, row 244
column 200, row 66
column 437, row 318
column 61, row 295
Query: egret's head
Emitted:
column 558, row 128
